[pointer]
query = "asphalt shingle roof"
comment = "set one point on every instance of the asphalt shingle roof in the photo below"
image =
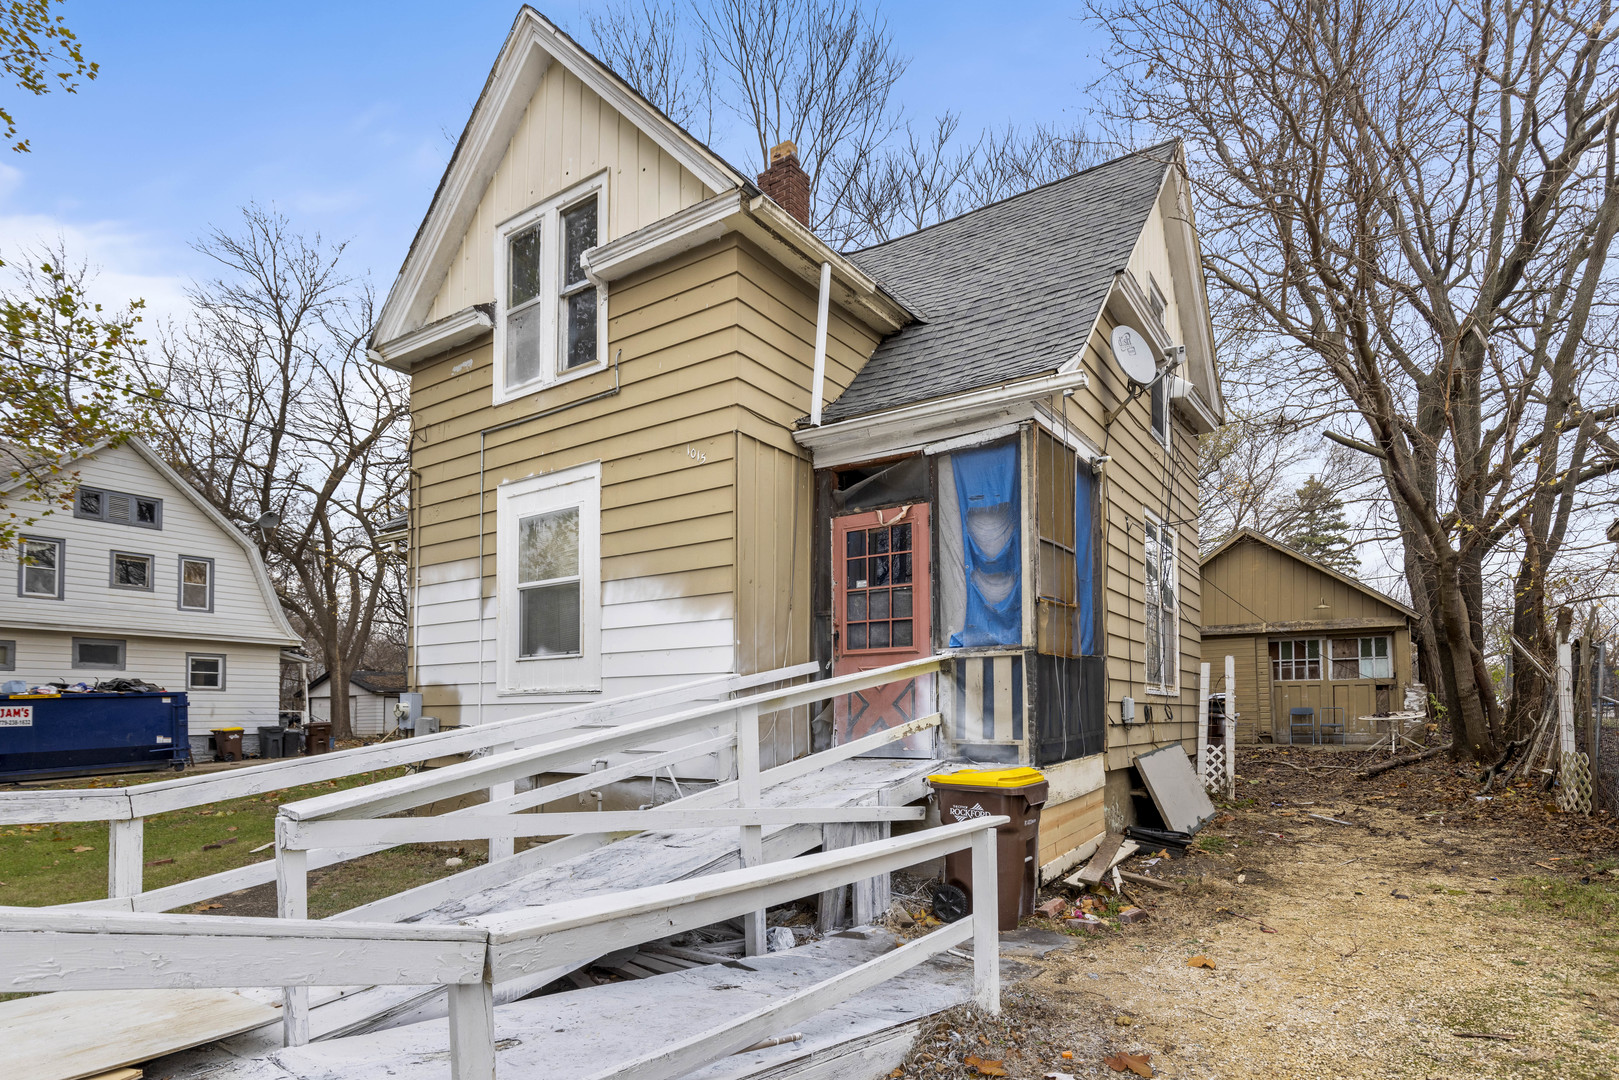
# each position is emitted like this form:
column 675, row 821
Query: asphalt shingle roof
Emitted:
column 1007, row 291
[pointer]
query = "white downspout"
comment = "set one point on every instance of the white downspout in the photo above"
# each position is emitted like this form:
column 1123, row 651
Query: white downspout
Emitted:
column 818, row 379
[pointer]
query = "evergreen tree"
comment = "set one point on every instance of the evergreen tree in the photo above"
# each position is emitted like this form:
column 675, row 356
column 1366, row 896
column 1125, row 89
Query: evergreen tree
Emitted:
column 1320, row 529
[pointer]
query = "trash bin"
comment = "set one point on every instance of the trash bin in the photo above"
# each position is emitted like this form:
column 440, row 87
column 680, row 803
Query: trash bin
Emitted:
column 1016, row 793
column 270, row 741
column 228, row 743
column 292, row 742
column 317, row 736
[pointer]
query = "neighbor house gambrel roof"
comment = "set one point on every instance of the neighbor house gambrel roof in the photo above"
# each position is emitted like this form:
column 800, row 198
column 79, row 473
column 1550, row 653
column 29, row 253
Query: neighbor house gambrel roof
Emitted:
column 1008, row 291
column 1253, row 535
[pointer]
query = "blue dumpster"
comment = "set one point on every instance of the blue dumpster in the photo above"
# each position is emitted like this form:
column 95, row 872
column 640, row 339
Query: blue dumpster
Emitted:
column 91, row 733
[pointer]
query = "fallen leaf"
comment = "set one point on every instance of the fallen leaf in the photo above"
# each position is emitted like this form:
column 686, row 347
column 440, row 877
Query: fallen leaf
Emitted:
column 207, row 907
column 230, row 828
column 1068, row 1055
column 985, row 1068
column 160, row 862
column 1200, row 961
column 81, row 847
column 897, row 1073
column 1140, row 1064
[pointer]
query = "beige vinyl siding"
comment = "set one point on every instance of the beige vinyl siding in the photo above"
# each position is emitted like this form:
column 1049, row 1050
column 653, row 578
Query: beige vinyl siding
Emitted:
column 252, row 693
column 1136, row 480
column 567, row 135
column 241, row 611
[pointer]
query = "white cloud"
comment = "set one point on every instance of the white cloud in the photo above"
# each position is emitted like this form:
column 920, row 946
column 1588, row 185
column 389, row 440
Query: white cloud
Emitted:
column 124, row 263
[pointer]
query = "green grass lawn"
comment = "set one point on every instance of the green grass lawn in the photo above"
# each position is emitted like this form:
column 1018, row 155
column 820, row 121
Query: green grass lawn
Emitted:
column 65, row 863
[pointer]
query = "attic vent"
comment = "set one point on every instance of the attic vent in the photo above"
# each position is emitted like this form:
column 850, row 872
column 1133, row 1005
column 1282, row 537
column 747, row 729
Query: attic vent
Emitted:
column 118, row 508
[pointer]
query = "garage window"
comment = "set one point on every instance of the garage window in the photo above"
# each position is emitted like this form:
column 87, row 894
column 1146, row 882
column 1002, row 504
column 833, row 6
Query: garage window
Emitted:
column 1295, row 660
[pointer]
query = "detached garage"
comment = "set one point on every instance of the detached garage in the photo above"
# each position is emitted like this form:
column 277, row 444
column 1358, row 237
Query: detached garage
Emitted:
column 372, row 697
column 1305, row 637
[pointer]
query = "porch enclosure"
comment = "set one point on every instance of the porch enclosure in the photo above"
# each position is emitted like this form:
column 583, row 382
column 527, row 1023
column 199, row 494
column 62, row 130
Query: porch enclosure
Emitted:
column 1000, row 550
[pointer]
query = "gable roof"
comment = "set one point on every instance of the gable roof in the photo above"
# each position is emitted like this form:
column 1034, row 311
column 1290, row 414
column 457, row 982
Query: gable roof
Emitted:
column 377, row 682
column 1338, row 575
column 1007, row 291
column 531, row 46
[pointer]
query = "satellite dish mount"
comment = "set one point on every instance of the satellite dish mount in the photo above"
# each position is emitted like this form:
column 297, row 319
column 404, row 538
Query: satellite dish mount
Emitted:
column 1133, row 355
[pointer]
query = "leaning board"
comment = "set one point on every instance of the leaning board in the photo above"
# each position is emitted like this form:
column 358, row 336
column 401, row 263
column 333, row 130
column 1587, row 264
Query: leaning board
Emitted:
column 83, row 1033
column 1167, row 773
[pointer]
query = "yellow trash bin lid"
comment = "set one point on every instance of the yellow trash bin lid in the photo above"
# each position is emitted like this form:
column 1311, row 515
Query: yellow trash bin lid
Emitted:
column 989, row 778
column 226, row 730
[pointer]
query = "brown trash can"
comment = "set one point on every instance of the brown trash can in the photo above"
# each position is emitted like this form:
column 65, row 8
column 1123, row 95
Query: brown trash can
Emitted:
column 318, row 736
column 1016, row 793
column 227, row 743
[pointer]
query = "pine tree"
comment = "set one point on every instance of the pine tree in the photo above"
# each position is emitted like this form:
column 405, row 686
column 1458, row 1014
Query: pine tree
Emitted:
column 1320, row 529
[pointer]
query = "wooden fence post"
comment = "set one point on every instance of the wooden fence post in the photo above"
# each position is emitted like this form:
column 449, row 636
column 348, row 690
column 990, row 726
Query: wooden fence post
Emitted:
column 1231, row 715
column 751, row 840
column 125, row 857
column 472, row 1031
column 292, row 902
column 502, row 847
column 986, row 923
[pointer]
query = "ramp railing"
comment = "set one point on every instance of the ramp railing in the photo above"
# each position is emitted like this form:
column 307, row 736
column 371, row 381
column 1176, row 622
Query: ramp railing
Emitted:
column 48, row 949
column 126, row 808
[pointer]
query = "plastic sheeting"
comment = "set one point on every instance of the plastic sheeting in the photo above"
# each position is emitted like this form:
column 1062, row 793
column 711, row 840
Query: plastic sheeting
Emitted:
column 989, row 507
column 1085, row 556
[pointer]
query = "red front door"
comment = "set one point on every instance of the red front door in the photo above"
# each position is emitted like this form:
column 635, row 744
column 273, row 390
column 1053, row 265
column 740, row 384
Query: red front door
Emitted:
column 881, row 588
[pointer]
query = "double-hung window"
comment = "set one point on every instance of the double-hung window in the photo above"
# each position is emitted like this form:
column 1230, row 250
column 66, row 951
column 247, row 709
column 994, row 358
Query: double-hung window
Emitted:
column 550, row 323
column 205, row 671
column 1162, row 618
column 548, row 567
column 196, row 583
column 39, row 568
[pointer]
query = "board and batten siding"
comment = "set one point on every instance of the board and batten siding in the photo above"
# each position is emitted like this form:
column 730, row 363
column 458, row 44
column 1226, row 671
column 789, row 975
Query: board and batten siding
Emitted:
column 251, row 696
column 703, row 488
column 91, row 605
column 568, row 134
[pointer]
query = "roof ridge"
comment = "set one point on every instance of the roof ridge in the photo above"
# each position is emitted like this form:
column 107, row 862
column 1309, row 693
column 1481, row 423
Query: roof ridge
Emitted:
column 1143, row 152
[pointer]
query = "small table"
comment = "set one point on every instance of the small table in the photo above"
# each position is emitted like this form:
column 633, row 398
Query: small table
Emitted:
column 1394, row 729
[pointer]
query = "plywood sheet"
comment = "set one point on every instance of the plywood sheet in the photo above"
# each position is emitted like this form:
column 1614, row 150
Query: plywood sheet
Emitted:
column 1168, row 776
column 74, row 1034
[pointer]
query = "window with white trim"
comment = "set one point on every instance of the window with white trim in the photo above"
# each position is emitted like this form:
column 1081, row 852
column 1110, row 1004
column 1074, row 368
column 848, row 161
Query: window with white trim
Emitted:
column 196, row 583
column 550, row 323
column 548, row 568
column 205, row 671
column 39, row 567
column 130, row 571
column 1162, row 616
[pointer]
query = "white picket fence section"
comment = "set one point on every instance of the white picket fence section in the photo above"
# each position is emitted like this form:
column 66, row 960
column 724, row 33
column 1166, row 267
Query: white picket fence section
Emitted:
column 126, row 808
column 45, row 950
column 1217, row 765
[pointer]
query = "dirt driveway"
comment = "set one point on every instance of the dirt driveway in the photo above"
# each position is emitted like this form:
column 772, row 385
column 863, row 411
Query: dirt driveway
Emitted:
column 1399, row 939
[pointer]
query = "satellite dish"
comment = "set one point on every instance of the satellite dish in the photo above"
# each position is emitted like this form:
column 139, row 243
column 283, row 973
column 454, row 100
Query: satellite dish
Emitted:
column 268, row 521
column 1134, row 356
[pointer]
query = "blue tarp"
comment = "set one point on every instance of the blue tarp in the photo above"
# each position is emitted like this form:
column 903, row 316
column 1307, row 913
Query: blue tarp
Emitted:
column 1084, row 557
column 987, row 493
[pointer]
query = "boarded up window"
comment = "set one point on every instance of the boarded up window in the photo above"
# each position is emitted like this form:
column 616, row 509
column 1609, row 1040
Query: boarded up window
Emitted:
column 1362, row 658
column 1057, row 576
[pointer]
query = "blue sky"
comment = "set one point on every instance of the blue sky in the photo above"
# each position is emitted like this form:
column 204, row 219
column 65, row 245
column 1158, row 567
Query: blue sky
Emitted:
column 343, row 115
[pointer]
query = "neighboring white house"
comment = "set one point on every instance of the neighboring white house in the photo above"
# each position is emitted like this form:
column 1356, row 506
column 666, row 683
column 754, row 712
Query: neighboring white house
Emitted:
column 372, row 697
column 143, row 579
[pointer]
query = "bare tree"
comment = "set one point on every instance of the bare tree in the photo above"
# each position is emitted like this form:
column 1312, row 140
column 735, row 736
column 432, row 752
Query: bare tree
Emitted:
column 648, row 44
column 275, row 410
column 1415, row 204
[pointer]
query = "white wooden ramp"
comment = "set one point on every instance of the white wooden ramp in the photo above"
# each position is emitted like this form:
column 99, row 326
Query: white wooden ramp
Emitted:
column 585, row 1032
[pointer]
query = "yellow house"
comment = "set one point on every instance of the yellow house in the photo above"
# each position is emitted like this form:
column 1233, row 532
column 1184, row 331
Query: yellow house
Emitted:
column 1303, row 636
column 662, row 431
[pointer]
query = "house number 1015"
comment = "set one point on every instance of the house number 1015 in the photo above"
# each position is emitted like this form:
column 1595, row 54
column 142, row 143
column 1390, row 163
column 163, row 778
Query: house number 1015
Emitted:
column 696, row 454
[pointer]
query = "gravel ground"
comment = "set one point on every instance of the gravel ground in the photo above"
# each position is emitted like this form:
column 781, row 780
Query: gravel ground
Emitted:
column 1432, row 913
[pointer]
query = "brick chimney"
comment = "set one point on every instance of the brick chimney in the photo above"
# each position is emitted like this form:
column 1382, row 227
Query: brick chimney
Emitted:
column 786, row 181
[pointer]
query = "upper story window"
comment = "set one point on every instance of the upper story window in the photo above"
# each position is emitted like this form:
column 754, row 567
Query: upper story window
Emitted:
column 118, row 508
column 1155, row 299
column 1160, row 409
column 196, row 583
column 1162, row 616
column 39, row 567
column 131, row 571
column 550, row 324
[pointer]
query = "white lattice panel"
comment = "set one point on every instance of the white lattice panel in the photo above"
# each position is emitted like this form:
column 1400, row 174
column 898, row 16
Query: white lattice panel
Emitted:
column 1214, row 770
column 1574, row 784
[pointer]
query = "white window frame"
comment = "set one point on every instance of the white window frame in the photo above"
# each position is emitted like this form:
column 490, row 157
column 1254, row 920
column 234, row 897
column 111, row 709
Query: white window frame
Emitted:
column 578, row 487
column 112, row 571
column 180, row 586
column 549, row 214
column 1170, row 648
column 61, row 567
column 191, row 684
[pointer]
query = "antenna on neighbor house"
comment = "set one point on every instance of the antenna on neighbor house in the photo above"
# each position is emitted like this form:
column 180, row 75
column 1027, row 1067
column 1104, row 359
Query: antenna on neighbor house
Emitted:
column 1133, row 355
column 266, row 523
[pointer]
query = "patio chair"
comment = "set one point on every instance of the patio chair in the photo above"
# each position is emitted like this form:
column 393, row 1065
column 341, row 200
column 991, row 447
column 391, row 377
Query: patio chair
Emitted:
column 1300, row 719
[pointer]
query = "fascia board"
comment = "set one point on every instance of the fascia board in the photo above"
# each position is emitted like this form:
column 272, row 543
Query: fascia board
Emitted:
column 913, row 427
column 665, row 238
column 405, row 352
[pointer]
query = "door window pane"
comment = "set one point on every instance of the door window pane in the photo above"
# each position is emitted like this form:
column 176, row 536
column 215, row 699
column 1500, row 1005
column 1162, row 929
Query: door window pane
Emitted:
column 879, row 603
column 855, row 544
column 857, row 636
column 856, row 578
column 902, row 632
column 878, row 635
column 878, row 565
column 902, row 603
column 856, row 607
